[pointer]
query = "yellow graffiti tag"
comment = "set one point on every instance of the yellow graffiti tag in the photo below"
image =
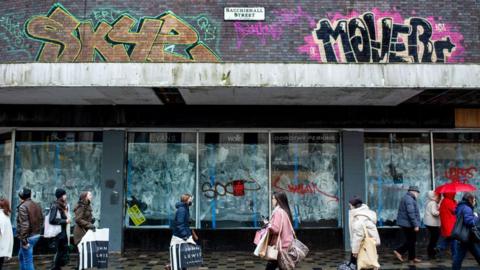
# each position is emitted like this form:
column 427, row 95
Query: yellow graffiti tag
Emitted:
column 66, row 39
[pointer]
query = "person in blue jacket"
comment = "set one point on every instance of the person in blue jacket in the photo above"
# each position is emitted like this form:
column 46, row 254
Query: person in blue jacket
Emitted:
column 470, row 218
column 409, row 220
column 181, row 223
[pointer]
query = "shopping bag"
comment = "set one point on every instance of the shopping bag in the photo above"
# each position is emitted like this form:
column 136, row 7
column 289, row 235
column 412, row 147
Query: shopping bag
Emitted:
column 258, row 235
column 262, row 245
column 367, row 255
column 50, row 230
column 185, row 255
column 93, row 249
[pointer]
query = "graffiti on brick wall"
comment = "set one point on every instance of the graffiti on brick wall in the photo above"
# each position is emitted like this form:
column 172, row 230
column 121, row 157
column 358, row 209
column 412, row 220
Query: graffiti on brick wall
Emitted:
column 66, row 39
column 12, row 35
column 283, row 18
column 382, row 37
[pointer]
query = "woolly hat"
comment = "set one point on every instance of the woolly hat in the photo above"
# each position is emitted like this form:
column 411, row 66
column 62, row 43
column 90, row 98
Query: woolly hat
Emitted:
column 59, row 193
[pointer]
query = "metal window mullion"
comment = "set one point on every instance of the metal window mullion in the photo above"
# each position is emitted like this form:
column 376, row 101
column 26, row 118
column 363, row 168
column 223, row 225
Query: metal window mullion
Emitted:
column 269, row 173
column 432, row 157
column 12, row 166
column 197, row 183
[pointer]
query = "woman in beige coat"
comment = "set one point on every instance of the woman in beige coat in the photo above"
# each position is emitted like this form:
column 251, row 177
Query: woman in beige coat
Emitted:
column 361, row 216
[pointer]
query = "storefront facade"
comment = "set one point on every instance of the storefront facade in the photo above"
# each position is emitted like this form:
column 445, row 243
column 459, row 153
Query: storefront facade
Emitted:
column 320, row 100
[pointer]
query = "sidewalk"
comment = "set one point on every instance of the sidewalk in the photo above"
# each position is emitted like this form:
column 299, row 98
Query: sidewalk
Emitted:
column 324, row 260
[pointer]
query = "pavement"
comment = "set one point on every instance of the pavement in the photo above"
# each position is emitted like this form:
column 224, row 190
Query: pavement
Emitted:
column 318, row 260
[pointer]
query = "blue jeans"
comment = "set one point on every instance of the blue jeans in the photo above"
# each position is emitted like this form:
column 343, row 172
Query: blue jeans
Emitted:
column 462, row 249
column 445, row 242
column 25, row 255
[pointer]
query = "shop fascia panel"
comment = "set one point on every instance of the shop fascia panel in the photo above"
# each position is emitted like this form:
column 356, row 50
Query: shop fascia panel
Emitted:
column 461, row 76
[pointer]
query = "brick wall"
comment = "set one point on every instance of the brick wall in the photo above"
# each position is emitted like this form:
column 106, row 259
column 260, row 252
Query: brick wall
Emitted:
column 194, row 31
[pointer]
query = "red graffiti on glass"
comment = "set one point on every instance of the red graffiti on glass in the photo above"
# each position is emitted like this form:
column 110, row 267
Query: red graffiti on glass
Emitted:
column 456, row 174
column 303, row 189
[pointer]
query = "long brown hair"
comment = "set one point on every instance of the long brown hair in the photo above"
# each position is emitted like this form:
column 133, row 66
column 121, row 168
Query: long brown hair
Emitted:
column 5, row 206
column 83, row 197
column 282, row 202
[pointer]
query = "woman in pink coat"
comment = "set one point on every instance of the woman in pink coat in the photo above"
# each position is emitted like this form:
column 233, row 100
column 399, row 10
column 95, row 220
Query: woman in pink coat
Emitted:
column 280, row 225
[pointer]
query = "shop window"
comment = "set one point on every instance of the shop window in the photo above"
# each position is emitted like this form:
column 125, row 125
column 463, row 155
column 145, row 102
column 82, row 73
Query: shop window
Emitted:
column 161, row 167
column 233, row 179
column 5, row 161
column 45, row 161
column 457, row 158
column 306, row 167
column 394, row 161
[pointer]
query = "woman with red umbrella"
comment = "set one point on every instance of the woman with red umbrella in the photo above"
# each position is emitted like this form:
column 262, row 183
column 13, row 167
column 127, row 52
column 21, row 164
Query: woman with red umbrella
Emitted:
column 447, row 222
column 447, row 212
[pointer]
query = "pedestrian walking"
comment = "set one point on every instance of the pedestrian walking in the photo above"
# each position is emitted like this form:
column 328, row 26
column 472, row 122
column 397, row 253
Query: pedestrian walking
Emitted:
column 29, row 224
column 465, row 210
column 409, row 220
column 432, row 221
column 280, row 226
column 59, row 216
column 84, row 219
column 6, row 232
column 447, row 222
column 360, row 217
column 181, row 223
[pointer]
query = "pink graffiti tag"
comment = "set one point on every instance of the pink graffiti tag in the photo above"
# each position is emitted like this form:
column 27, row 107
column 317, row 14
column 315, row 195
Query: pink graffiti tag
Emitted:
column 263, row 31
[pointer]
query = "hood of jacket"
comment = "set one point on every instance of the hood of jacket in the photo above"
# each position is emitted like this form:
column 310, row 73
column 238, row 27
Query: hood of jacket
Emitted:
column 181, row 204
column 462, row 205
column 364, row 212
column 431, row 195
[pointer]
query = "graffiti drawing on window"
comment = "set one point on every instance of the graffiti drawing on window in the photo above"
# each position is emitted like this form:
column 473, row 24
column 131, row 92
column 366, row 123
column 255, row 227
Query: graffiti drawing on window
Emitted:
column 233, row 179
column 161, row 167
column 306, row 167
column 395, row 161
column 457, row 158
column 45, row 161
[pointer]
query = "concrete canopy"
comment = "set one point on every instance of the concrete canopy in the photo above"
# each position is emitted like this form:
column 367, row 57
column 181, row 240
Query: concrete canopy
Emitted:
column 229, row 83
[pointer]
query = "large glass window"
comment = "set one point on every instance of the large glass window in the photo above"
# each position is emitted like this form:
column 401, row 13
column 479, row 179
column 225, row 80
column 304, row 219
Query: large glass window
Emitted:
column 5, row 161
column 45, row 161
column 394, row 161
column 306, row 167
column 161, row 167
column 233, row 179
column 457, row 158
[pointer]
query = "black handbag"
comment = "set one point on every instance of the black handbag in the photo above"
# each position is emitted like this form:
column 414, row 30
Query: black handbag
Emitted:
column 460, row 232
column 475, row 232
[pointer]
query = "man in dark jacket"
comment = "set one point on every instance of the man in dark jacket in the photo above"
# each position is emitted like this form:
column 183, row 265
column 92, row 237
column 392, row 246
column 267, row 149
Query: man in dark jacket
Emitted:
column 470, row 218
column 409, row 220
column 29, row 224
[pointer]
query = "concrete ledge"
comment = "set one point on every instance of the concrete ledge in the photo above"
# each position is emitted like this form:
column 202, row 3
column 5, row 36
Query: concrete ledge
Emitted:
column 241, row 75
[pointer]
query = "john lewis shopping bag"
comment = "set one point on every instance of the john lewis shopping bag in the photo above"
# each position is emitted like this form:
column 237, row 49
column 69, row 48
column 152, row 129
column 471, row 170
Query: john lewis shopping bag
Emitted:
column 93, row 249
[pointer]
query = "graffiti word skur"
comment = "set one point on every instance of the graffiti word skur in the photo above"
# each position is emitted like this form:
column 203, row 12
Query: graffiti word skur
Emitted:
column 67, row 39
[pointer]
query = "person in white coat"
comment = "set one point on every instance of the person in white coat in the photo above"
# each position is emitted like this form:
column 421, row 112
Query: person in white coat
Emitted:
column 6, row 232
column 432, row 221
column 361, row 216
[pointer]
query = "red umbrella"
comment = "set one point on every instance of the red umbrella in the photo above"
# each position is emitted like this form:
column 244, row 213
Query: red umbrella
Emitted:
column 455, row 187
